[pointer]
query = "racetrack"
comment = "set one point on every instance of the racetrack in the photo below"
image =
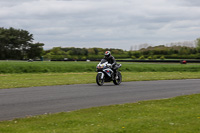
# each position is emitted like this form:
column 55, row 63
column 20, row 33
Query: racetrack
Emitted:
column 22, row 102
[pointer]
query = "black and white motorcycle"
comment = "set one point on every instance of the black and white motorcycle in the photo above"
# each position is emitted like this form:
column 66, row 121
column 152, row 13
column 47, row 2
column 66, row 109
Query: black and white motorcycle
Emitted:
column 106, row 74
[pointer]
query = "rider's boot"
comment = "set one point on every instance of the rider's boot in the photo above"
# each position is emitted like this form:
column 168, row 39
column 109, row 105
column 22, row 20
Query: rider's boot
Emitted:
column 113, row 76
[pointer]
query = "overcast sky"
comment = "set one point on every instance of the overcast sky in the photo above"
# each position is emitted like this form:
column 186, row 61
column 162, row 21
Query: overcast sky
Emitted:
column 103, row 23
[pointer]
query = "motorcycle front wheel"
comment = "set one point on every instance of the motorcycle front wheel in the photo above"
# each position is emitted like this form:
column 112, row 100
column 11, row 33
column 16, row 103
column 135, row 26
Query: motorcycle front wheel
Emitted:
column 118, row 78
column 99, row 81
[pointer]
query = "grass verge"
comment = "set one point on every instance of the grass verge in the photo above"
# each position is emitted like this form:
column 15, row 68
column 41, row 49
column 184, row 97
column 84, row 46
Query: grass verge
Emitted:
column 174, row 115
column 63, row 67
column 49, row 79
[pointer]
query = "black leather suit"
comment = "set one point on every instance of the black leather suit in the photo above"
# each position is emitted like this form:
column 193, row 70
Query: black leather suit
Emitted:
column 112, row 61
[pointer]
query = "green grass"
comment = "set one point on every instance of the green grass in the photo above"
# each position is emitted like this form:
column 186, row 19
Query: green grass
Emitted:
column 14, row 74
column 45, row 67
column 63, row 67
column 49, row 79
column 174, row 115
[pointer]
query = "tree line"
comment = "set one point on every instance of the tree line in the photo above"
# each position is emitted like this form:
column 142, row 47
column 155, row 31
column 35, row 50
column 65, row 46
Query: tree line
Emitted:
column 180, row 51
column 18, row 44
column 59, row 53
column 156, row 52
column 168, row 52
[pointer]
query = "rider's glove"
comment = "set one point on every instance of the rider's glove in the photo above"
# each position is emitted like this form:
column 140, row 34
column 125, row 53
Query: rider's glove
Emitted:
column 109, row 65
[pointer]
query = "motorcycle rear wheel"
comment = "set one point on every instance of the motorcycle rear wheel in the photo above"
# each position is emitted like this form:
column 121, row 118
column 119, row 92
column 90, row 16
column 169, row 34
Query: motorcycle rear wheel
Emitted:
column 99, row 81
column 119, row 79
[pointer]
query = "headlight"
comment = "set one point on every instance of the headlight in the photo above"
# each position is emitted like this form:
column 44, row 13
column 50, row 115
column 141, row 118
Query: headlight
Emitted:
column 100, row 66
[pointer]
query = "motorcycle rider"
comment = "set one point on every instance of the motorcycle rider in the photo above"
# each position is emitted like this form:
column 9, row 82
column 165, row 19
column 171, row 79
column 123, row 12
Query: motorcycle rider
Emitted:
column 112, row 61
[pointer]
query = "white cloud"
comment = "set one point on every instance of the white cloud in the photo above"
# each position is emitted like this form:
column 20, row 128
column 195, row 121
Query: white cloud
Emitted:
column 105, row 23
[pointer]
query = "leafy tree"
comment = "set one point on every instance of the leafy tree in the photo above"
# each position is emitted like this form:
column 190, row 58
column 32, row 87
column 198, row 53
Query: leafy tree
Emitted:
column 91, row 51
column 162, row 57
column 149, row 57
column 35, row 50
column 16, row 44
column 133, row 57
column 48, row 55
column 96, row 51
column 142, row 57
column 198, row 44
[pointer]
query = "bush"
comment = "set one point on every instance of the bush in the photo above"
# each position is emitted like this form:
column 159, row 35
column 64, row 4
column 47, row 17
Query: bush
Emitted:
column 142, row 57
column 149, row 57
column 154, row 57
column 162, row 57
column 133, row 57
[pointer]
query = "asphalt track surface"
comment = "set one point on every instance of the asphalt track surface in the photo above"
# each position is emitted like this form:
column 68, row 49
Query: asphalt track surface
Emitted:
column 22, row 102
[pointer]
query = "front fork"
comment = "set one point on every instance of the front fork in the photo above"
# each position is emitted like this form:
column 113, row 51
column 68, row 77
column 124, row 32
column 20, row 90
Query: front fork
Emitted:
column 102, row 74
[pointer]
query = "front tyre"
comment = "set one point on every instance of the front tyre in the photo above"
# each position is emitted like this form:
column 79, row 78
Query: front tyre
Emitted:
column 99, row 81
column 118, row 78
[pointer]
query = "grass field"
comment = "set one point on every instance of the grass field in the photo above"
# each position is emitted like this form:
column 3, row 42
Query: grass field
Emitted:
column 175, row 115
column 15, row 74
column 63, row 67
column 48, row 79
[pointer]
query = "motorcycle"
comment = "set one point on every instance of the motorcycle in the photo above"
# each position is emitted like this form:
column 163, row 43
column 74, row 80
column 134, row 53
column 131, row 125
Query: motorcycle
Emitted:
column 106, row 74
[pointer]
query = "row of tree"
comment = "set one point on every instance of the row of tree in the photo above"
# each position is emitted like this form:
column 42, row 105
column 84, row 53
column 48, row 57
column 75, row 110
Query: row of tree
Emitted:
column 82, row 53
column 170, row 52
column 18, row 44
column 157, row 52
